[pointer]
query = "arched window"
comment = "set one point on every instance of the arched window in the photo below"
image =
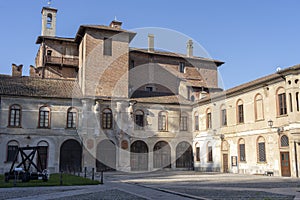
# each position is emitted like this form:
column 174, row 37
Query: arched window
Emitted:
column 107, row 118
column 44, row 117
column 242, row 150
column 196, row 120
column 139, row 120
column 209, row 152
column 208, row 119
column 49, row 20
column 281, row 102
column 72, row 118
column 259, row 107
column 223, row 116
column 163, row 121
column 14, row 116
column 183, row 121
column 240, row 111
column 284, row 141
column 261, row 149
column 12, row 150
column 197, row 152
column 42, row 159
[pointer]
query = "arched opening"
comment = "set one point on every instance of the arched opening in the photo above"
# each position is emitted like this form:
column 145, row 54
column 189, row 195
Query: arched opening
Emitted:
column 70, row 156
column 106, row 156
column 162, row 155
column 184, row 155
column 49, row 20
column 225, row 153
column 139, row 156
column 42, row 159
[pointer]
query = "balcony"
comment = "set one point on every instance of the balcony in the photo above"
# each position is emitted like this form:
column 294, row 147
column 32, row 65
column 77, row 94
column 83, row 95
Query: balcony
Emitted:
column 62, row 61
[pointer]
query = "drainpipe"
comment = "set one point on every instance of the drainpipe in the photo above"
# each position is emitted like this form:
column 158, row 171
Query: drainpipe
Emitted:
column 296, row 160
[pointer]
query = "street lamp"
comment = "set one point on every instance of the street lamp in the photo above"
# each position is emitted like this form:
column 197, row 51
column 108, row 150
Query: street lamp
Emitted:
column 270, row 123
column 279, row 129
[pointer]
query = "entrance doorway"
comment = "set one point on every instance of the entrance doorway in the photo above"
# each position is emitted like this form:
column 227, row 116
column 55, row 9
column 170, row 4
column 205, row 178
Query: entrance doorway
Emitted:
column 184, row 155
column 225, row 163
column 285, row 164
column 70, row 156
column 106, row 156
column 139, row 156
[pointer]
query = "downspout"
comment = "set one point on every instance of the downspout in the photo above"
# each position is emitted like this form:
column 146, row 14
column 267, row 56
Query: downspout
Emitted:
column 296, row 160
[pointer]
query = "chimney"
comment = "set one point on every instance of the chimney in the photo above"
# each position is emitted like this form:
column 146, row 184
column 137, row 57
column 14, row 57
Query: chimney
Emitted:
column 17, row 70
column 150, row 43
column 115, row 24
column 189, row 48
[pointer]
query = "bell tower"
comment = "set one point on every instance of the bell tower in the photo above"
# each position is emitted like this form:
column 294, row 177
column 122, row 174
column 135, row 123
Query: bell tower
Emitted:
column 49, row 21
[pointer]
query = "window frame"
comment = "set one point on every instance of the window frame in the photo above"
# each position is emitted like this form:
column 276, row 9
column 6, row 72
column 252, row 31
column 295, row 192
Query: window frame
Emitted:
column 48, row 117
column 242, row 142
column 281, row 102
column 209, row 153
column 196, row 121
column 261, row 140
column 240, row 112
column 74, row 122
column 107, row 119
column 163, row 121
column 107, row 46
column 208, row 119
column 14, row 143
column 138, row 126
column 183, row 123
column 258, row 98
column 19, row 109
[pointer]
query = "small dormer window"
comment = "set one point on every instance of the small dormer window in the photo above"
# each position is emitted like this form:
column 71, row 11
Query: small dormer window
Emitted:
column 149, row 89
column 49, row 20
column 181, row 67
column 49, row 52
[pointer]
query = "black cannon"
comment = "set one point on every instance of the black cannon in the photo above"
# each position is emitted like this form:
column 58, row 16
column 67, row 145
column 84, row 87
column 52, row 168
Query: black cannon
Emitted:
column 22, row 170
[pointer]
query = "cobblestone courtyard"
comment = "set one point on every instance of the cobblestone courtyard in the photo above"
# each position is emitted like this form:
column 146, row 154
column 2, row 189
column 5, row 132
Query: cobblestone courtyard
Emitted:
column 168, row 185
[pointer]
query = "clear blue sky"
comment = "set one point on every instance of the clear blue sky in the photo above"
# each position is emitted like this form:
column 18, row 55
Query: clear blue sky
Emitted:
column 252, row 37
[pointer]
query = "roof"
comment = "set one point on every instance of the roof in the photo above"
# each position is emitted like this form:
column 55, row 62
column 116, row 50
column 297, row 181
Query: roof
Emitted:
column 41, row 38
column 82, row 29
column 171, row 99
column 38, row 87
column 172, row 54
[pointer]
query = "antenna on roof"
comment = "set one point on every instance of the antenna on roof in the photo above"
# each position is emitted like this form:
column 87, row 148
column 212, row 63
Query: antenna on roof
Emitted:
column 115, row 18
column 49, row 3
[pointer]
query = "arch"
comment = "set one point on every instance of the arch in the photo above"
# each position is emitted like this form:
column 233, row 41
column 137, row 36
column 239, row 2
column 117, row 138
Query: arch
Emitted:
column 284, row 141
column 49, row 20
column 12, row 150
column 138, row 120
column 163, row 121
column 139, row 156
column 42, row 158
column 106, row 156
column 70, row 156
column 242, row 150
column 184, row 155
column 72, row 117
column 107, row 118
column 281, row 101
column 258, row 107
column 261, row 149
column 240, row 111
column 14, row 118
column 161, row 155
column 225, row 146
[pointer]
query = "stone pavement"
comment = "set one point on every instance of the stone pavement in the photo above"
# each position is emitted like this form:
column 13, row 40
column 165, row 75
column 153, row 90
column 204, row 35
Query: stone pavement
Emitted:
column 168, row 185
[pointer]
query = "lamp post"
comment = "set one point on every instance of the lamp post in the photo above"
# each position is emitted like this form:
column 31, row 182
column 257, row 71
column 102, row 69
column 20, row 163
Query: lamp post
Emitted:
column 279, row 129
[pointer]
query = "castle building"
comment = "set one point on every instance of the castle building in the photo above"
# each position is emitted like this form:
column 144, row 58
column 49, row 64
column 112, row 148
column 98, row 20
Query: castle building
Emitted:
column 92, row 101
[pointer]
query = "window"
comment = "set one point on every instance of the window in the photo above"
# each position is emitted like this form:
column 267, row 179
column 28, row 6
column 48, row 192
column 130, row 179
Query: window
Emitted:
column 208, row 119
column 49, row 20
column 71, row 118
column 242, row 150
column 209, row 152
column 44, row 117
column 149, row 88
column 281, row 97
column 261, row 149
column 196, row 119
column 162, row 121
column 291, row 102
column 198, row 152
column 49, row 52
column 12, row 150
column 297, row 101
column 107, row 47
column 181, row 67
column 240, row 112
column 107, row 119
column 284, row 141
column 42, row 160
column 259, row 107
column 183, row 122
column 14, row 116
column 139, row 120
column 223, row 116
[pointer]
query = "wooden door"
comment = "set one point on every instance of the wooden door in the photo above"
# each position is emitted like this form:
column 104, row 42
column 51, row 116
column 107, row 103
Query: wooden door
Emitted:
column 225, row 163
column 285, row 164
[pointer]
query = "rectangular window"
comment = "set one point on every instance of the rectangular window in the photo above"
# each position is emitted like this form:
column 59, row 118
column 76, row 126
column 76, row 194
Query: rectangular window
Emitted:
column 183, row 123
column 261, row 152
column 297, row 100
column 72, row 119
column 240, row 114
column 181, row 67
column 196, row 123
column 242, row 152
column 282, row 104
column 44, row 119
column 139, row 122
column 107, row 120
column 162, row 123
column 291, row 102
column 12, row 151
column 197, row 153
column 14, row 117
column 208, row 121
column 224, row 117
column 149, row 89
column 107, row 47
column 210, row 154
